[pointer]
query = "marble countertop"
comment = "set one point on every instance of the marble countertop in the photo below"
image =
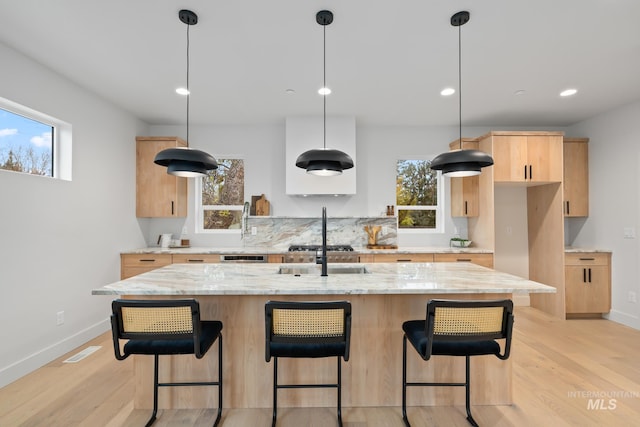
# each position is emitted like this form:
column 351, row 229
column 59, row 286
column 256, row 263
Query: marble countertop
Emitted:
column 272, row 250
column 571, row 249
column 264, row 279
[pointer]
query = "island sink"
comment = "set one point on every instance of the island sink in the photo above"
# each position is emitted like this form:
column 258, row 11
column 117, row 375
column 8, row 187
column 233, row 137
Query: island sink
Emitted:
column 331, row 269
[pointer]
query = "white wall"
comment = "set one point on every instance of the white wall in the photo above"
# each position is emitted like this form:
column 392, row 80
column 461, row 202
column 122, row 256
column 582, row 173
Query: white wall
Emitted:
column 60, row 239
column 263, row 148
column 614, row 194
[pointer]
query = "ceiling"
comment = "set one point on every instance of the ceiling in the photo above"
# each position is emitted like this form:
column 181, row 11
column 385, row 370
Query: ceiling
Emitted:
column 386, row 61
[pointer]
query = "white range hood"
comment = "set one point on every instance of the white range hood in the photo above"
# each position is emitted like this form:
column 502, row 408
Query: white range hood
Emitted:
column 306, row 133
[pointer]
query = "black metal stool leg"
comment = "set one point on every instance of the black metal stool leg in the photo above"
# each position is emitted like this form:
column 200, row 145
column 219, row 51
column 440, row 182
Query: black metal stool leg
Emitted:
column 217, row 421
column 155, row 391
column 339, row 393
column 404, row 382
column 275, row 392
column 467, row 388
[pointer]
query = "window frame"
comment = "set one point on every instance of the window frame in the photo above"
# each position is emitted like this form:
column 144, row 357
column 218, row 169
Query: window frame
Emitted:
column 440, row 195
column 199, row 208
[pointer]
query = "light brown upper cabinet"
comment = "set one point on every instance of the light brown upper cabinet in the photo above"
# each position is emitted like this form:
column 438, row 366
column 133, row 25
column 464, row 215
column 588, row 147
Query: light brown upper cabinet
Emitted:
column 527, row 157
column 576, row 177
column 465, row 191
column 158, row 194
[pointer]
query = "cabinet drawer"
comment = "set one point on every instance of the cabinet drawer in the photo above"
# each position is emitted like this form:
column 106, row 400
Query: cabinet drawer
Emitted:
column 145, row 260
column 485, row 260
column 195, row 258
column 403, row 258
column 586, row 258
column 134, row 264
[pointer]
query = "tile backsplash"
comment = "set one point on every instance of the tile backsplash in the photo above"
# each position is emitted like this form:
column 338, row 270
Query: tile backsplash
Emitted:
column 281, row 232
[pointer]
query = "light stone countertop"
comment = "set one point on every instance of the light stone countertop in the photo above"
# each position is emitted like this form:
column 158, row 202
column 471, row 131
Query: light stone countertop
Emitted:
column 264, row 279
column 272, row 250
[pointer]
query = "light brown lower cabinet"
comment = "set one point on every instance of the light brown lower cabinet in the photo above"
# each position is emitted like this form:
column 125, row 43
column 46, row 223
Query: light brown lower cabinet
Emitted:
column 485, row 260
column 403, row 257
column 195, row 258
column 134, row 264
column 587, row 283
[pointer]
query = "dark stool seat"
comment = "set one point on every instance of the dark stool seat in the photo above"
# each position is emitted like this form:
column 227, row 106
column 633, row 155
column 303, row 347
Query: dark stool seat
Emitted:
column 165, row 327
column 309, row 330
column 457, row 328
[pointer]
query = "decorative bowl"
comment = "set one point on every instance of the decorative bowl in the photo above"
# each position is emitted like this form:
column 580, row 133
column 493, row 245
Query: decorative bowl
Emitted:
column 459, row 243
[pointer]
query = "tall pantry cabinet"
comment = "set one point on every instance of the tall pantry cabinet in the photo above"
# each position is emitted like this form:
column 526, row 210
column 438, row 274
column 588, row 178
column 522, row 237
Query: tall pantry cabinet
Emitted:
column 533, row 160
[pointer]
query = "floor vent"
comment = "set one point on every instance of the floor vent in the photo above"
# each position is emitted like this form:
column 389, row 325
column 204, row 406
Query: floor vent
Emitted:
column 84, row 353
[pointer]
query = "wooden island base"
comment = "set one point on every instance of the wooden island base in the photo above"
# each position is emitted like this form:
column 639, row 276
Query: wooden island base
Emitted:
column 371, row 377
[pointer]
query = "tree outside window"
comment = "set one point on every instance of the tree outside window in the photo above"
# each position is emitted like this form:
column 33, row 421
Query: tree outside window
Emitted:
column 26, row 145
column 416, row 194
column 222, row 198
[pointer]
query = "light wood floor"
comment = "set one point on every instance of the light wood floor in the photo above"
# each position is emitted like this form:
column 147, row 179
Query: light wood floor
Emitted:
column 560, row 367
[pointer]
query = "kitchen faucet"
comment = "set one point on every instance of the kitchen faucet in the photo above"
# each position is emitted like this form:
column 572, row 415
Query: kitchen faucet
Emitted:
column 322, row 257
column 245, row 216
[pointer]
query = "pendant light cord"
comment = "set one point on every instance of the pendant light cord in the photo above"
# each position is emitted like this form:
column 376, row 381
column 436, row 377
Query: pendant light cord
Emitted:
column 188, row 92
column 324, row 85
column 460, row 83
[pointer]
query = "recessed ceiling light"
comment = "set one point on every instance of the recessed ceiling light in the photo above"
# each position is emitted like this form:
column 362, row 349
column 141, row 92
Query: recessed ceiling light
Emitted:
column 324, row 91
column 290, row 91
column 182, row 91
column 519, row 92
column 568, row 92
column 447, row 91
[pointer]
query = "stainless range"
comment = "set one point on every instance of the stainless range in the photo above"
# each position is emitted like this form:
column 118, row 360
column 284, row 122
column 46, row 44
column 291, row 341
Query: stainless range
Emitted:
column 309, row 253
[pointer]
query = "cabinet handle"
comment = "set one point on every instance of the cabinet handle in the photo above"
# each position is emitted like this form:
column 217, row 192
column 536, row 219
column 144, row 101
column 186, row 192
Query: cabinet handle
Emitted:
column 584, row 275
column 147, row 260
column 463, row 260
column 568, row 210
column 589, row 275
column 465, row 207
column 587, row 259
column 172, row 207
column 403, row 260
column 195, row 260
column 525, row 172
column 530, row 174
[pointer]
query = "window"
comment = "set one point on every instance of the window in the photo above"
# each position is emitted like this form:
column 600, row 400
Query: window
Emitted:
column 26, row 145
column 221, row 198
column 418, row 196
column 33, row 143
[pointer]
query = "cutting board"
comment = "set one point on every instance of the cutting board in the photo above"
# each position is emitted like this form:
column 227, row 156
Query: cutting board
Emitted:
column 262, row 206
column 382, row 246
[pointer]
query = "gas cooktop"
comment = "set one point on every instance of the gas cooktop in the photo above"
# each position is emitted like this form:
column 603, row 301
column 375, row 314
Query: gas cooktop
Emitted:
column 315, row 248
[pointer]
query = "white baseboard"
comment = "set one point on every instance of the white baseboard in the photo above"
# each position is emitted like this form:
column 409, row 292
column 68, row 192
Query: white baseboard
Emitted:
column 9, row 374
column 624, row 318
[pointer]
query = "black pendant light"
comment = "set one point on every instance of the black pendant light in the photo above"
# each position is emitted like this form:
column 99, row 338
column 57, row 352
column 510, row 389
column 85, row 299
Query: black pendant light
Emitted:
column 184, row 161
column 324, row 161
column 461, row 163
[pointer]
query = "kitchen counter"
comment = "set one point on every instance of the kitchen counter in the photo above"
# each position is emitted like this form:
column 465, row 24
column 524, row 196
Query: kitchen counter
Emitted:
column 272, row 250
column 571, row 249
column 381, row 300
column 264, row 279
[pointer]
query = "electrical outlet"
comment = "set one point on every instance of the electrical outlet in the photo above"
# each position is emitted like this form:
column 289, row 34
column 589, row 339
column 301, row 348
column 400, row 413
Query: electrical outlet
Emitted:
column 632, row 296
column 184, row 230
column 254, row 231
column 60, row 318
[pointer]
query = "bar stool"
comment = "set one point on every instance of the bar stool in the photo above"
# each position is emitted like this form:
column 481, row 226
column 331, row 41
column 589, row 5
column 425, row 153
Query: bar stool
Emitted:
column 303, row 330
column 457, row 328
column 165, row 327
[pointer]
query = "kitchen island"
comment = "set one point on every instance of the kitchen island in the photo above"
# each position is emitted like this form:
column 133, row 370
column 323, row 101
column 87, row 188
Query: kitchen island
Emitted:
column 382, row 297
